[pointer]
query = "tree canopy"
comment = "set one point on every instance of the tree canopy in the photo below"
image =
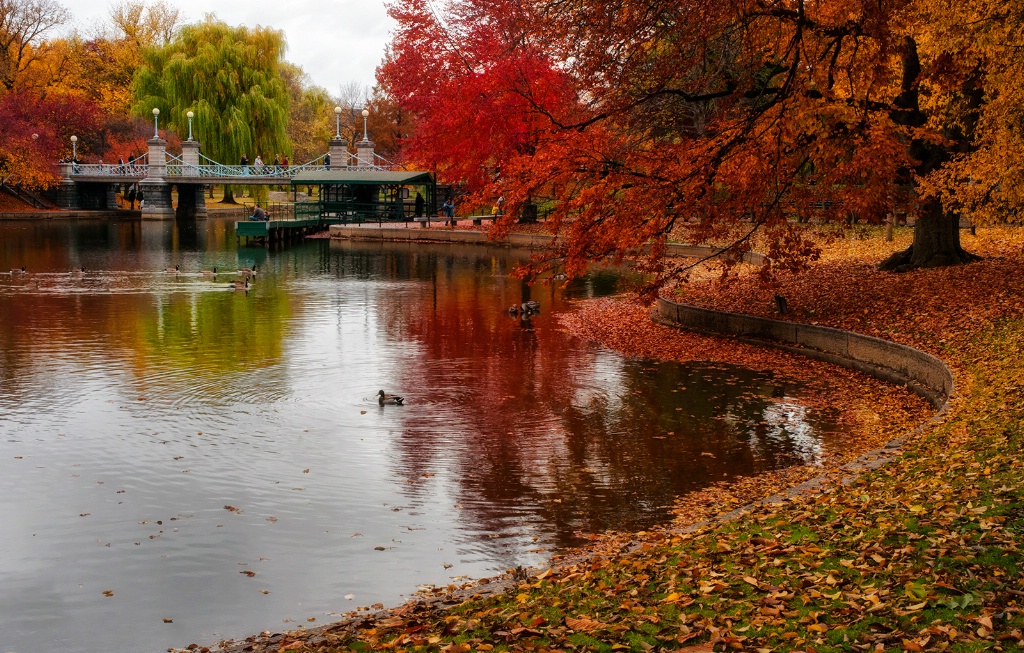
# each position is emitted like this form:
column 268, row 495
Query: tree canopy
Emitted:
column 637, row 117
column 230, row 78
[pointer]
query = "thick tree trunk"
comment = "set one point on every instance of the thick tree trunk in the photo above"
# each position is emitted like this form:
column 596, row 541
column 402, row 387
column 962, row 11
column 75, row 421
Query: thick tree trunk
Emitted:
column 229, row 195
column 936, row 231
column 936, row 242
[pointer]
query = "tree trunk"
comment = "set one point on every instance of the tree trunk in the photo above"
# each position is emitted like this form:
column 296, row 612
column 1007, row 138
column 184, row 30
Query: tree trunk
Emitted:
column 229, row 195
column 936, row 242
column 936, row 231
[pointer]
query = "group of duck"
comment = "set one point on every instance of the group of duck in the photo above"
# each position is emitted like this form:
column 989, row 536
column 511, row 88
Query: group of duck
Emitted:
column 241, row 282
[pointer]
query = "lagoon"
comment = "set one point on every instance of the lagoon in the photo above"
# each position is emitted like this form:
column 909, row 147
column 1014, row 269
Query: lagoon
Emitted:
column 184, row 462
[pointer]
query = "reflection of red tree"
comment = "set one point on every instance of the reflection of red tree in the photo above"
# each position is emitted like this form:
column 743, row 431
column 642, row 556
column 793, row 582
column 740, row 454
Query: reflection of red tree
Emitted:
column 522, row 417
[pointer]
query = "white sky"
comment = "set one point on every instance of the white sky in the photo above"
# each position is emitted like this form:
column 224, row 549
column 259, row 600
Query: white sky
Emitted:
column 335, row 41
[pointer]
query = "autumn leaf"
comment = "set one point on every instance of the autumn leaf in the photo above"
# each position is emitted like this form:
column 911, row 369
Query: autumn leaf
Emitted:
column 584, row 624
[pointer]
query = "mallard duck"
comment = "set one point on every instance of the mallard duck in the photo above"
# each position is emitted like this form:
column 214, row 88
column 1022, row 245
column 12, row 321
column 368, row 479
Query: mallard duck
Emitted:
column 385, row 399
column 529, row 308
column 174, row 270
column 513, row 310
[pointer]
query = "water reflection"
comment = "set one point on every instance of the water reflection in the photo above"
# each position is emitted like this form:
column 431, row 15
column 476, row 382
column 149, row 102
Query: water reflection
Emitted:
column 161, row 433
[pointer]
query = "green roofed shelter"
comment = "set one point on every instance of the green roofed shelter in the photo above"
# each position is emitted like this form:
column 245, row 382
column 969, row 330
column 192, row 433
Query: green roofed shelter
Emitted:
column 368, row 194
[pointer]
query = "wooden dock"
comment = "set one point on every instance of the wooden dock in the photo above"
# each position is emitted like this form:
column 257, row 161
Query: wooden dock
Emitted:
column 273, row 231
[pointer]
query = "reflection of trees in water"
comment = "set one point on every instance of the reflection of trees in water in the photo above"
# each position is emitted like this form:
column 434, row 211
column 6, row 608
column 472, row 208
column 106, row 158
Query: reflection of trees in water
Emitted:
column 540, row 429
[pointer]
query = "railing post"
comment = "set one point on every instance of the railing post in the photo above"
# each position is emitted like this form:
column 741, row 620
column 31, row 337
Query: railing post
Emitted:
column 337, row 148
column 157, row 158
column 364, row 153
column 190, row 158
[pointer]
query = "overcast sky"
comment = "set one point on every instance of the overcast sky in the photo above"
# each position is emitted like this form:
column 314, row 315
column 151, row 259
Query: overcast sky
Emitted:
column 335, row 41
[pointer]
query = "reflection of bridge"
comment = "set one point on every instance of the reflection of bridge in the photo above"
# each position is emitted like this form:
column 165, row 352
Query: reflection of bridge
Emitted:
column 95, row 186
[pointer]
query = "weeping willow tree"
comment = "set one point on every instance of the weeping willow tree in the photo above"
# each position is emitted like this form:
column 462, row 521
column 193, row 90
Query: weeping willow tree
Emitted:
column 230, row 78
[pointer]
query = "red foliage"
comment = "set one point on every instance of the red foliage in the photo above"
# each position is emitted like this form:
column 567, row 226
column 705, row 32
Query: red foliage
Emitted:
column 36, row 132
column 482, row 89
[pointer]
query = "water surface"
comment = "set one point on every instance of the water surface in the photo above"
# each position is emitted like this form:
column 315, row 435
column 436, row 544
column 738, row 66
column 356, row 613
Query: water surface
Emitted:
column 173, row 449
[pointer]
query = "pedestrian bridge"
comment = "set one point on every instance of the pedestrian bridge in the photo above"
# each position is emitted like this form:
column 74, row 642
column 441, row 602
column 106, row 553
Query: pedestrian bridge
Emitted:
column 208, row 171
column 158, row 173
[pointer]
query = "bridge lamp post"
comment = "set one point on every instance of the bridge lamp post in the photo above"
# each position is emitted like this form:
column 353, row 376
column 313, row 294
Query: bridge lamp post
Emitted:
column 365, row 114
column 337, row 122
column 189, row 115
column 156, row 122
column 74, row 148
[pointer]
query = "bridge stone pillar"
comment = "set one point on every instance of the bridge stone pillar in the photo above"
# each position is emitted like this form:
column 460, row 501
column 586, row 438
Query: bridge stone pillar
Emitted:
column 65, row 195
column 155, row 189
column 190, row 157
column 364, row 153
column 157, row 195
column 192, row 201
column 157, row 158
column 338, row 149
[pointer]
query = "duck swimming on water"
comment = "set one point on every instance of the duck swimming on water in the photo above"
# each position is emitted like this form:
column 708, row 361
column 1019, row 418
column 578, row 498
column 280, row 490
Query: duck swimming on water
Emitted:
column 385, row 399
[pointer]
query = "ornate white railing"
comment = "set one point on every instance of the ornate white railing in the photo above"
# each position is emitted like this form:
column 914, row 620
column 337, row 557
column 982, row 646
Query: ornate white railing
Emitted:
column 176, row 167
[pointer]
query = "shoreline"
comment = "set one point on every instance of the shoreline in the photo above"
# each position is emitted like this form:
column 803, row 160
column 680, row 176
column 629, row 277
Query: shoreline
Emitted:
column 707, row 508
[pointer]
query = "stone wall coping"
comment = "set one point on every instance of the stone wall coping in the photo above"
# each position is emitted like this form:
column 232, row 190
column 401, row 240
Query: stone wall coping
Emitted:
column 889, row 361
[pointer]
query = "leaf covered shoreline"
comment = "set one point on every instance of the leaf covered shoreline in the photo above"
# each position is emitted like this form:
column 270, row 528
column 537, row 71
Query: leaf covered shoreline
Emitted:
column 919, row 555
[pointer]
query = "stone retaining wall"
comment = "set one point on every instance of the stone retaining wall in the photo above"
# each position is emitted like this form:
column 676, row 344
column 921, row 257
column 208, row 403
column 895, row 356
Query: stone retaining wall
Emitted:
column 415, row 233
column 923, row 373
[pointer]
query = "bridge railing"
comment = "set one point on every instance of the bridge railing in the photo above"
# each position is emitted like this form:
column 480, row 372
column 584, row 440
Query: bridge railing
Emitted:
column 207, row 168
column 137, row 168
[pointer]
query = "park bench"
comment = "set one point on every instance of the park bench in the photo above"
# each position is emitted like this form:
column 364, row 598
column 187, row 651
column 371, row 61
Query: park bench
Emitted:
column 479, row 219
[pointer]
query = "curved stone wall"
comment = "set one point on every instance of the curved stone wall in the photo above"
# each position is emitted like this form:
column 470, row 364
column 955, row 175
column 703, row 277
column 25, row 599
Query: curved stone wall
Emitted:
column 921, row 372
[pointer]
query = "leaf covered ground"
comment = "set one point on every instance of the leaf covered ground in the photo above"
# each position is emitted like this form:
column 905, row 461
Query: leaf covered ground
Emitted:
column 922, row 554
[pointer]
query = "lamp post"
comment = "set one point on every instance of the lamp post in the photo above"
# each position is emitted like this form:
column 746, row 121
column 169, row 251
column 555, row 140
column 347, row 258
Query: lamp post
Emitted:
column 365, row 114
column 74, row 149
column 156, row 122
column 189, row 115
column 337, row 122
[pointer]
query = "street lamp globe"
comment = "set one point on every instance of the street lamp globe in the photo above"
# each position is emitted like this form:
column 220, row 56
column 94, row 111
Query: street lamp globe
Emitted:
column 337, row 122
column 74, row 148
column 189, row 116
column 156, row 122
column 366, row 113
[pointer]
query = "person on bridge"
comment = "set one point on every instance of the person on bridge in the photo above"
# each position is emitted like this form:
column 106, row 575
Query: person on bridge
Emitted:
column 258, row 214
column 257, row 165
column 285, row 163
column 327, row 161
column 277, row 164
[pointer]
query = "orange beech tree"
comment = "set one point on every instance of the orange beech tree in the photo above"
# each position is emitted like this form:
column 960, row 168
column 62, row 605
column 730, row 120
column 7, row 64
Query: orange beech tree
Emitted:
column 637, row 117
